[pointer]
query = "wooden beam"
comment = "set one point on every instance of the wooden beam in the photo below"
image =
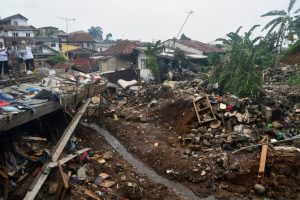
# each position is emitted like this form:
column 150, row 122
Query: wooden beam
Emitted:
column 63, row 175
column 40, row 179
column 68, row 157
column 69, row 131
column 263, row 159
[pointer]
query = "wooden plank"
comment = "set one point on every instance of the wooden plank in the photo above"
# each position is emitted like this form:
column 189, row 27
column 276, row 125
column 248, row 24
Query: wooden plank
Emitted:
column 203, row 109
column 40, row 179
column 263, row 159
column 63, row 175
column 68, row 157
column 68, row 132
column 196, row 111
column 211, row 109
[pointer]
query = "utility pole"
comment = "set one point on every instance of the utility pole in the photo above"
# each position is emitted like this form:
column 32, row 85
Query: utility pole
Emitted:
column 67, row 20
column 189, row 14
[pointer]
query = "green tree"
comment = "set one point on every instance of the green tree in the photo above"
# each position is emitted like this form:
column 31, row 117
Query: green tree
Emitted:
column 96, row 32
column 184, row 37
column 240, row 75
column 284, row 22
column 153, row 62
column 108, row 36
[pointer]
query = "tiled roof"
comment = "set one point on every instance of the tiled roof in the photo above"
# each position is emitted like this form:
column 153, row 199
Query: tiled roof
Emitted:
column 206, row 48
column 122, row 48
column 80, row 36
column 13, row 16
column 61, row 33
column 18, row 28
column 41, row 38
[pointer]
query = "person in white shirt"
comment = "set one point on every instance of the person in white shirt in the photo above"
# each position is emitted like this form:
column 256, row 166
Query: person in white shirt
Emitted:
column 28, row 57
column 3, row 59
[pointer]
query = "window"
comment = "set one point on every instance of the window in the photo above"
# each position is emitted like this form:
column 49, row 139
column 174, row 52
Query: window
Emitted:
column 15, row 23
column 143, row 63
column 87, row 44
column 27, row 34
column 16, row 34
column 53, row 44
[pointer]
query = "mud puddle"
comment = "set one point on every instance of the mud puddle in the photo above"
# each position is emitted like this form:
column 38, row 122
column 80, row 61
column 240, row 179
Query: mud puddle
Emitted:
column 181, row 190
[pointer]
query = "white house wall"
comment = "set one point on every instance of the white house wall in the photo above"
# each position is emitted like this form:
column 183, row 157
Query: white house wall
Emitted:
column 21, row 33
column 56, row 48
column 20, row 21
column 145, row 74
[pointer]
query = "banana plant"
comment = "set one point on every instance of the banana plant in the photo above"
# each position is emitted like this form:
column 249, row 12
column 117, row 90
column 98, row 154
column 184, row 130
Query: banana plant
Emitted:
column 283, row 24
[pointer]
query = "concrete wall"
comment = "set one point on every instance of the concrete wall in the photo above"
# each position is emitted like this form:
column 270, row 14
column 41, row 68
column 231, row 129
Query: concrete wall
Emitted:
column 113, row 63
column 20, row 21
column 21, row 33
column 56, row 48
column 144, row 73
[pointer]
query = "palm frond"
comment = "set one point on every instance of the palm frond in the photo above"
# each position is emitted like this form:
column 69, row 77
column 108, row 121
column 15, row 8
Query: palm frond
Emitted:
column 234, row 36
column 297, row 11
column 252, row 29
column 224, row 41
column 275, row 13
column 274, row 26
column 238, row 30
column 256, row 39
column 291, row 5
column 274, row 21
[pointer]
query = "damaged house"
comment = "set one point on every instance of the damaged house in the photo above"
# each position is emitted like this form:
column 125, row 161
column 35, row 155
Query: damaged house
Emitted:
column 82, row 39
column 123, row 55
column 193, row 49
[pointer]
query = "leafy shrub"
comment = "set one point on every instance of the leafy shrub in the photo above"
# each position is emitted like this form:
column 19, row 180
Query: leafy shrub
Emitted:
column 53, row 60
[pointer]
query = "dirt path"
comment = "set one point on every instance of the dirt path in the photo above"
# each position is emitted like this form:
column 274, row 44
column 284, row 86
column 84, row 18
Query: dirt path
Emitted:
column 179, row 189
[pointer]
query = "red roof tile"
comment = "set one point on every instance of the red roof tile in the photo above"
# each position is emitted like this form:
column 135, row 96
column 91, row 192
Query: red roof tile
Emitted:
column 122, row 48
column 17, row 28
column 80, row 36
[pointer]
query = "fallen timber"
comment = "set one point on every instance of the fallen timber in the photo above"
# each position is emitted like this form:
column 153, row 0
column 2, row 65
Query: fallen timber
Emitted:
column 41, row 178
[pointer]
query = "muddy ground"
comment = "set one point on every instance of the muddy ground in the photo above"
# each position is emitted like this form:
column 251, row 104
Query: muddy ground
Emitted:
column 153, row 135
column 129, row 184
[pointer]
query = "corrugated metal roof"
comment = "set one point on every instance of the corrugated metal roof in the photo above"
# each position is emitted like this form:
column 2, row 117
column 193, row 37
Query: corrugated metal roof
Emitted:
column 206, row 48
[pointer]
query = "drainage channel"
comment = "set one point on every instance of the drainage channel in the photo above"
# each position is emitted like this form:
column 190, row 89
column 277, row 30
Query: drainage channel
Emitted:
column 181, row 190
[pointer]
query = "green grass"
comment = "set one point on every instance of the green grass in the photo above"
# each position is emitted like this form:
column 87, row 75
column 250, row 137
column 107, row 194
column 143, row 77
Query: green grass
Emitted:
column 293, row 80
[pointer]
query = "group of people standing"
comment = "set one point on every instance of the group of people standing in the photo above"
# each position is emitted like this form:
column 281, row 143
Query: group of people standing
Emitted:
column 12, row 57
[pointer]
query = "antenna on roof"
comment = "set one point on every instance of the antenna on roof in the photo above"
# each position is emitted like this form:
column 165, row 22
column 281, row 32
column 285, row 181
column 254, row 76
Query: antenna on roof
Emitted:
column 189, row 14
column 67, row 20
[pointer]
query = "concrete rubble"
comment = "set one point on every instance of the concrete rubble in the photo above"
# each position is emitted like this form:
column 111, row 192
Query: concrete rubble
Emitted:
column 158, row 124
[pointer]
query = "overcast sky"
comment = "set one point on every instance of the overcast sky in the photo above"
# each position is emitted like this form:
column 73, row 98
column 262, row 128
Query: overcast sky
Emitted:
column 147, row 20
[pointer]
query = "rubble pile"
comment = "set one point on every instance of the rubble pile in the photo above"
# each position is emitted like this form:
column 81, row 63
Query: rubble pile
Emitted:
column 159, row 123
column 23, row 97
column 279, row 73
